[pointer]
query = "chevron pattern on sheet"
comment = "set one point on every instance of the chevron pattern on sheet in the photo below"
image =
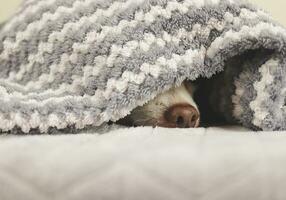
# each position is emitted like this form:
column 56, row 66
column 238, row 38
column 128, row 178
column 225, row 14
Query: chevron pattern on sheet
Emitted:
column 81, row 63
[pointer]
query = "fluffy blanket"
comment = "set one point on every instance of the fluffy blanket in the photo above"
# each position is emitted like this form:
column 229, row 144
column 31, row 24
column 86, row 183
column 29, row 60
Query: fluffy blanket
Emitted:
column 82, row 63
column 145, row 163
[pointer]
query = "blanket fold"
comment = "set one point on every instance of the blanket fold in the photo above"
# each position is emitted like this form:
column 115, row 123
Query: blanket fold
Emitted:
column 82, row 63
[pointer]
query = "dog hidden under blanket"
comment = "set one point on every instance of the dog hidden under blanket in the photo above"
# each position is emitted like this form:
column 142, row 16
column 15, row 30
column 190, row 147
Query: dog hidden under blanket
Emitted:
column 86, row 64
column 175, row 108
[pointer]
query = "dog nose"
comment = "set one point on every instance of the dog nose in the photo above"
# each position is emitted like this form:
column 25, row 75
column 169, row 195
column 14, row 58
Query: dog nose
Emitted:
column 183, row 116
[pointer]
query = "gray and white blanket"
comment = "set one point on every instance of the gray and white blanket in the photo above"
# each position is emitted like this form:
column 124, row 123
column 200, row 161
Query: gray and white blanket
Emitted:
column 82, row 63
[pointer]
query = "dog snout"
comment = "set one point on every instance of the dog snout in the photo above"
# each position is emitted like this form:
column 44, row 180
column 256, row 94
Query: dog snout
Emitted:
column 182, row 116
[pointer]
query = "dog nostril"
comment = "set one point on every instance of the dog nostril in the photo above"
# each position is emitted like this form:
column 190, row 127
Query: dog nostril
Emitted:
column 180, row 122
column 194, row 118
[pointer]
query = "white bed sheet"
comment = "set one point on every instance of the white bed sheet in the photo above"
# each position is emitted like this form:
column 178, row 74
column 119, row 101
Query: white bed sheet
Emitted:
column 145, row 164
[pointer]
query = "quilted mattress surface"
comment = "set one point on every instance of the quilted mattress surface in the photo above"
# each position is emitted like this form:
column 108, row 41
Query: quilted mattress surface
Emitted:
column 145, row 163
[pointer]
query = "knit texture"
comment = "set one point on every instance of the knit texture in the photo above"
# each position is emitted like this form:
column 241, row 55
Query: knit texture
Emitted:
column 82, row 63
